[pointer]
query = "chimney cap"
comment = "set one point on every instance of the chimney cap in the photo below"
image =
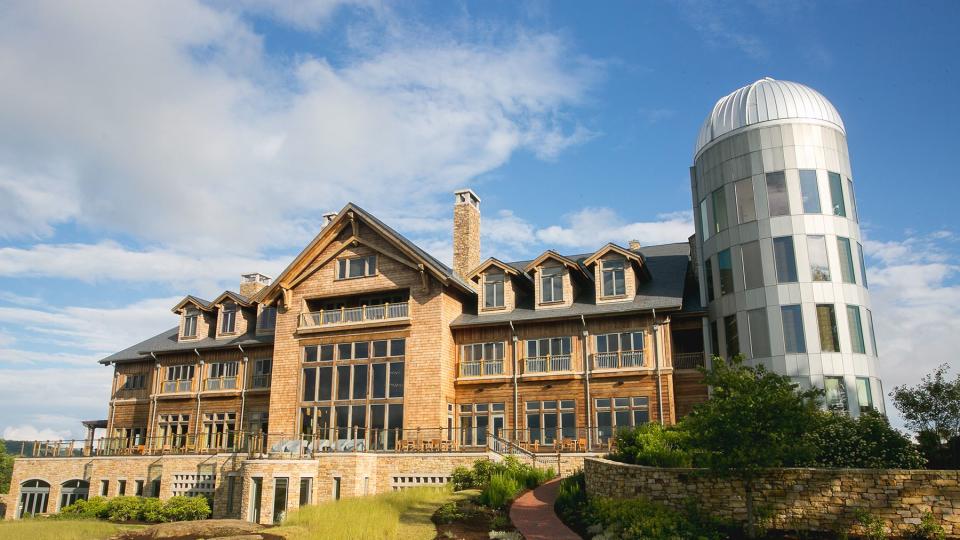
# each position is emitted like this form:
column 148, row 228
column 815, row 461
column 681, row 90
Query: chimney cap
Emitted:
column 635, row 245
column 255, row 277
column 466, row 196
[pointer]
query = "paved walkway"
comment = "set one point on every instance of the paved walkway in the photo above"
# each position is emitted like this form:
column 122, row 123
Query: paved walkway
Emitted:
column 532, row 514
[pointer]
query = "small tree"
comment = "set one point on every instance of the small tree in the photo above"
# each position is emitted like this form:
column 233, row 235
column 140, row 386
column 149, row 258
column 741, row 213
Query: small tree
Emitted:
column 866, row 442
column 932, row 410
column 754, row 420
column 6, row 467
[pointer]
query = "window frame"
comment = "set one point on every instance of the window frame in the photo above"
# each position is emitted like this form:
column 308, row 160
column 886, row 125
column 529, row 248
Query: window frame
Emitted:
column 484, row 365
column 808, row 182
column 746, row 211
column 835, row 183
column 191, row 318
column 344, row 268
column 556, row 278
column 498, row 283
column 228, row 317
column 612, row 405
column 834, row 328
column 817, row 242
column 782, row 182
column 614, row 272
column 788, row 267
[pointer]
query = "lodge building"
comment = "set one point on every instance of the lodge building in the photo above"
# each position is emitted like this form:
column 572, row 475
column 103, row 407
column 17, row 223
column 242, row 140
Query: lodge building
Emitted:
column 369, row 365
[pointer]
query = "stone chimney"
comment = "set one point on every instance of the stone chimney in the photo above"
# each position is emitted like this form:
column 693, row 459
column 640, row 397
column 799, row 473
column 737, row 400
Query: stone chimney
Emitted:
column 466, row 231
column 328, row 217
column 634, row 245
column 251, row 284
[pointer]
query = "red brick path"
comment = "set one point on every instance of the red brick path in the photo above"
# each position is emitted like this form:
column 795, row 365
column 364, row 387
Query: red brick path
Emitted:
column 532, row 514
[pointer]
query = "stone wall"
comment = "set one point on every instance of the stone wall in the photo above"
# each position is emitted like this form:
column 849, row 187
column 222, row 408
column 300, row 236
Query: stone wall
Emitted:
column 811, row 499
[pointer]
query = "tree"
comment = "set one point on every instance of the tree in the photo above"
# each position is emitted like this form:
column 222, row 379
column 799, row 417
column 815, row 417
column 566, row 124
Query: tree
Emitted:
column 866, row 442
column 932, row 410
column 754, row 420
column 6, row 467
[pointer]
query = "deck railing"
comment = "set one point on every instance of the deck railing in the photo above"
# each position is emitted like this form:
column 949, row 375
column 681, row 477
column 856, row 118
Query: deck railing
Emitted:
column 547, row 364
column 481, row 368
column 260, row 380
column 692, row 360
column 222, row 383
column 618, row 359
column 354, row 315
column 178, row 385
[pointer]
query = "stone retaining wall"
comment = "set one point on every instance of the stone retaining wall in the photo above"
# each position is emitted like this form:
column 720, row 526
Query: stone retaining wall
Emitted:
column 810, row 499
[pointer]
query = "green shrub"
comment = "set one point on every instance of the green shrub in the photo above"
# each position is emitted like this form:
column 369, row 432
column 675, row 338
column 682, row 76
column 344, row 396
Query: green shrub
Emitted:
column 462, row 478
column 186, row 508
column 571, row 503
column 653, row 445
column 867, row 441
column 94, row 508
column 500, row 490
column 872, row 526
column 125, row 509
column 152, row 510
column 640, row 519
column 448, row 513
column 928, row 528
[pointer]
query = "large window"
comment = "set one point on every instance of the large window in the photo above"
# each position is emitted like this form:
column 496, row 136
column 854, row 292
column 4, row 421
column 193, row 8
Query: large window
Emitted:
column 268, row 318
column 190, row 322
column 179, row 378
column 551, row 284
column 219, row 429
column 752, row 265
column 731, row 335
column 173, row 429
column 836, row 195
column 479, row 419
column 856, row 330
column 819, row 262
column 280, row 489
column 864, row 394
column 794, row 340
column 726, row 272
column 873, row 336
column 719, row 201
column 261, row 373
column 827, row 326
column 357, row 267
column 809, row 192
column 482, row 359
column 704, row 220
column 853, row 201
column 863, row 267
column 759, row 333
column 548, row 354
column 618, row 413
column 493, row 283
column 846, row 260
column 551, row 421
column 785, row 259
column 134, row 381
column 619, row 350
column 836, row 394
column 746, row 208
column 613, row 277
column 777, row 198
column 228, row 318
column 222, row 376
column 708, row 275
column 72, row 491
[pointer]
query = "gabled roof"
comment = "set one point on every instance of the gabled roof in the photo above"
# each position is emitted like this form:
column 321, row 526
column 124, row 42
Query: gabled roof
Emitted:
column 346, row 217
column 168, row 342
column 550, row 254
column 236, row 297
column 190, row 299
column 493, row 261
column 615, row 248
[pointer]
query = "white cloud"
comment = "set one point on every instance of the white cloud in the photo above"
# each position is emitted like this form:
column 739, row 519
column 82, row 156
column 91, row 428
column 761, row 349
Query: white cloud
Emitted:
column 169, row 123
column 24, row 432
column 27, row 397
column 590, row 228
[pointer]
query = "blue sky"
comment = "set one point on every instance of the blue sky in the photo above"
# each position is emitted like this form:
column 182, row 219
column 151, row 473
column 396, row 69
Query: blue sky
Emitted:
column 153, row 150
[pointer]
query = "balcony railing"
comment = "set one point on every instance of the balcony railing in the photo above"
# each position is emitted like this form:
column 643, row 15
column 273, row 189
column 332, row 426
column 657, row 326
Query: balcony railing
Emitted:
column 222, row 383
column 618, row 359
column 354, row 315
column 179, row 385
column 260, row 380
column 693, row 360
column 548, row 364
column 478, row 369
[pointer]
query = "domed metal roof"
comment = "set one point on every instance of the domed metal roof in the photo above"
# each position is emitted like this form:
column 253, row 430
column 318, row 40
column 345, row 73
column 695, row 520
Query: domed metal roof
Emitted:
column 764, row 100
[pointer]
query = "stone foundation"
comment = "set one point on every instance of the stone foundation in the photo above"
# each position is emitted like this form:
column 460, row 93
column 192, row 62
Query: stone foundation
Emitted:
column 810, row 499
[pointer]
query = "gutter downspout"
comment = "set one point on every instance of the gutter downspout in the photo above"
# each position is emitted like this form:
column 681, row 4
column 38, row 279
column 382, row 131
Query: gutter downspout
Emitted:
column 199, row 388
column 243, row 392
column 151, row 429
column 656, row 358
column 585, row 345
column 516, row 395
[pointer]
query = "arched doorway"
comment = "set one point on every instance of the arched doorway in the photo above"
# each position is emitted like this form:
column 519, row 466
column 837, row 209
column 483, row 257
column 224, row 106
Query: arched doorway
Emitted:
column 33, row 498
column 72, row 491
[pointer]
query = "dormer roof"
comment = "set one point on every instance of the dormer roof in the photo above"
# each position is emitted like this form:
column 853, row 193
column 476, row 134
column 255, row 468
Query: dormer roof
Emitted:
column 199, row 303
column 551, row 254
column 630, row 255
column 236, row 297
column 492, row 261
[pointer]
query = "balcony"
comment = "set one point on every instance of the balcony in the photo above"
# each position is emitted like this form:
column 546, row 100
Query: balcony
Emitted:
column 177, row 386
column 334, row 318
column 479, row 369
column 260, row 380
column 693, row 360
column 618, row 360
column 222, row 383
column 548, row 364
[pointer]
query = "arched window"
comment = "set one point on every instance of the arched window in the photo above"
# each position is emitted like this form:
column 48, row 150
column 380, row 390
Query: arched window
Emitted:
column 33, row 498
column 72, row 491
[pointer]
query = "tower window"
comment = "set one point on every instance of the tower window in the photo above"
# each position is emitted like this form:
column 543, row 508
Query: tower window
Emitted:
column 785, row 259
column 853, row 201
column 819, row 263
column 719, row 200
column 864, row 394
column 708, row 275
column 836, row 195
column 846, row 260
column 730, row 334
column 777, row 198
column 855, row 325
column 726, row 272
column 759, row 333
column 836, row 393
column 746, row 208
column 794, row 340
column 704, row 220
column 809, row 192
column 827, row 325
column 752, row 266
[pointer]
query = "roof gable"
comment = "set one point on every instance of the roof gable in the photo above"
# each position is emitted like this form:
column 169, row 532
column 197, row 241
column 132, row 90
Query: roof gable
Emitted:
column 236, row 297
column 493, row 261
column 611, row 247
column 547, row 255
column 190, row 299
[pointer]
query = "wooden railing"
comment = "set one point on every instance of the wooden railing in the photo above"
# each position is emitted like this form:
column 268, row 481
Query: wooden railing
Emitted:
column 480, row 368
column 222, row 383
column 618, row 359
column 178, row 385
column 354, row 315
column 547, row 364
column 692, row 360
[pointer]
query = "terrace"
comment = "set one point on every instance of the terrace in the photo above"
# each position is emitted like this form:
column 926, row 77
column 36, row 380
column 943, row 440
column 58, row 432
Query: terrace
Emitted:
column 328, row 314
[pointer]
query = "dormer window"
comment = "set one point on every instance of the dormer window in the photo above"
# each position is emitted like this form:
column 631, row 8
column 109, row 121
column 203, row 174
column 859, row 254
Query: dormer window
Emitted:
column 551, row 284
column 613, row 278
column 268, row 318
column 228, row 318
column 357, row 267
column 190, row 322
column 493, row 290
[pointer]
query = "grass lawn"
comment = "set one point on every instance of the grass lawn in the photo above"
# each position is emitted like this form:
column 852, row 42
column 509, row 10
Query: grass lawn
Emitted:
column 396, row 515
column 55, row 529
